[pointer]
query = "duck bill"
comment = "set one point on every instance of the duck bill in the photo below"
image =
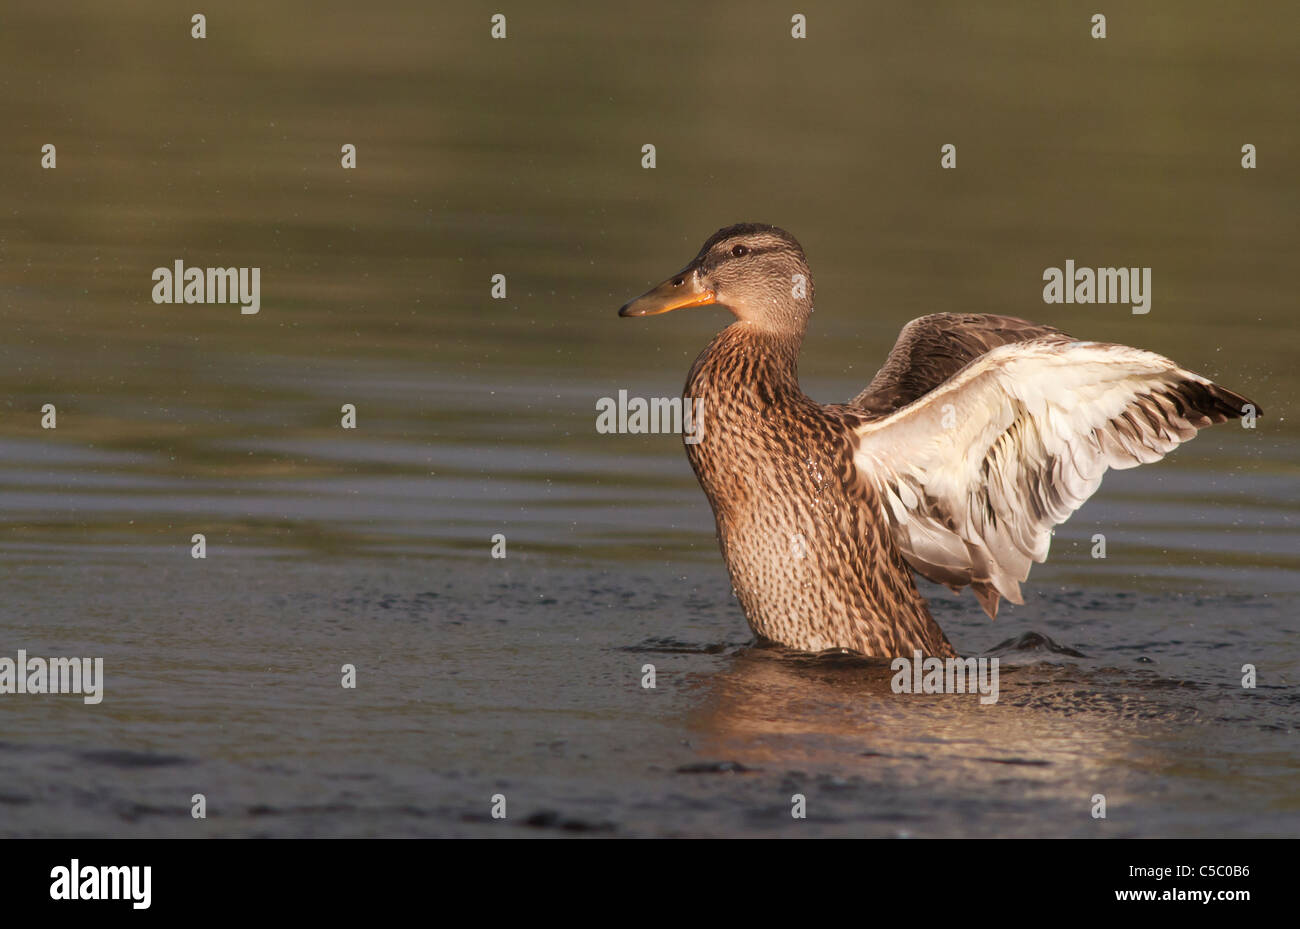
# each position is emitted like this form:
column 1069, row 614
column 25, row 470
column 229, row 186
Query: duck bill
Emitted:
column 678, row 292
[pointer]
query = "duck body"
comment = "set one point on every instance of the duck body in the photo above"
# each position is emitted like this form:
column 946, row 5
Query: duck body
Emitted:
column 810, row 563
column 978, row 435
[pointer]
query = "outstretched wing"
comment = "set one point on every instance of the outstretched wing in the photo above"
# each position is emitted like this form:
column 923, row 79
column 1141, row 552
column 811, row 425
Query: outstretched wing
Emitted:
column 974, row 475
column 933, row 348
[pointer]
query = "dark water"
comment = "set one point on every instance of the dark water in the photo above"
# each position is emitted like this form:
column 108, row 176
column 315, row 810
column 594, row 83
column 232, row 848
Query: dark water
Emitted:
column 371, row 547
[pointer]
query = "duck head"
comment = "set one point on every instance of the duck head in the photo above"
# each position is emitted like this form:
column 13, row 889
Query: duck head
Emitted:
column 757, row 272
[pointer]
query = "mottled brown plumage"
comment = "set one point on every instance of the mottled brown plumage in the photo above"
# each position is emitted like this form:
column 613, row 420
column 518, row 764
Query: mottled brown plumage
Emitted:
column 811, row 562
column 977, row 436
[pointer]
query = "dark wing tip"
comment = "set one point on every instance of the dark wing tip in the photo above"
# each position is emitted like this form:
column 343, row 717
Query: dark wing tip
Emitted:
column 1214, row 403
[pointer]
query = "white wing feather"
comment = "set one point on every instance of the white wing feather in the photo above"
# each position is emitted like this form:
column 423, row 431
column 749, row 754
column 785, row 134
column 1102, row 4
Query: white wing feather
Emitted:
column 973, row 475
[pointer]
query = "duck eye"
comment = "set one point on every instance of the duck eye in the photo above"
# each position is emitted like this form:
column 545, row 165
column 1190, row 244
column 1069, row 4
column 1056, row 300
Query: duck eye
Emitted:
column 740, row 251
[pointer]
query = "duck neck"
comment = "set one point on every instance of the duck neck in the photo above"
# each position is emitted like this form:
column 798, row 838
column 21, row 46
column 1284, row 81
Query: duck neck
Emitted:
column 747, row 360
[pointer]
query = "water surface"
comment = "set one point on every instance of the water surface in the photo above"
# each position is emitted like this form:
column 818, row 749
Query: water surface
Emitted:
column 476, row 416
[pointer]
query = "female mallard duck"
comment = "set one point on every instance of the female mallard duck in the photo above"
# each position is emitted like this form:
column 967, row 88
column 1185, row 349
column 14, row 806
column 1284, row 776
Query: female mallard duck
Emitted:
column 978, row 435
